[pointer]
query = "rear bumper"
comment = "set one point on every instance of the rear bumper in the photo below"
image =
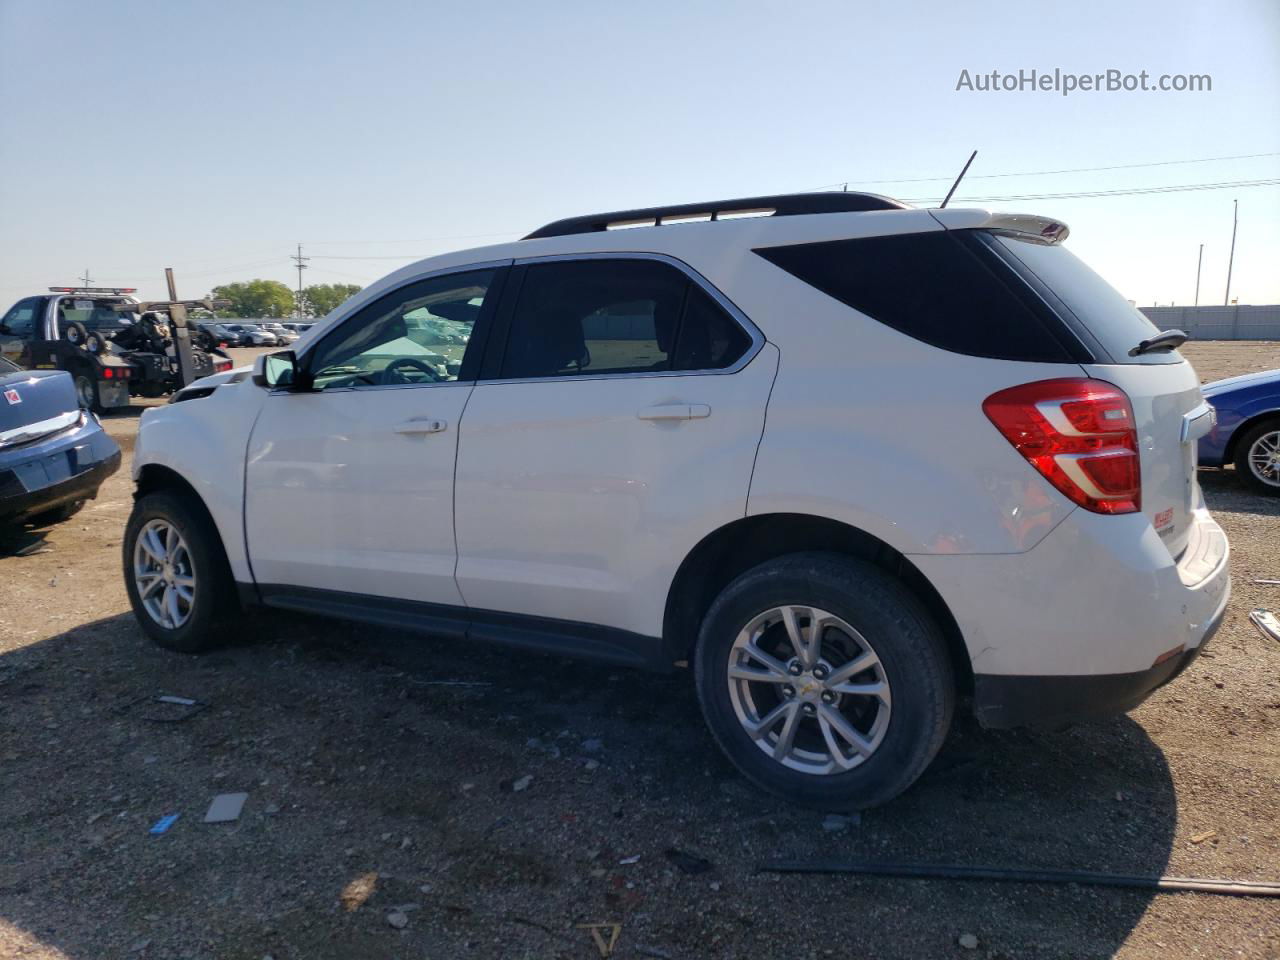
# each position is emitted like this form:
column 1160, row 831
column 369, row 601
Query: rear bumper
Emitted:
column 53, row 474
column 1087, row 623
column 1001, row 702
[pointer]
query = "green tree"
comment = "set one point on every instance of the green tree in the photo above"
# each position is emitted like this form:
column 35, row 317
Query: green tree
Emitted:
column 321, row 299
column 256, row 298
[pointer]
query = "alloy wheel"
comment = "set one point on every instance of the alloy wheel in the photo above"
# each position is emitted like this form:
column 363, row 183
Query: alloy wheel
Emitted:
column 163, row 574
column 1264, row 458
column 809, row 690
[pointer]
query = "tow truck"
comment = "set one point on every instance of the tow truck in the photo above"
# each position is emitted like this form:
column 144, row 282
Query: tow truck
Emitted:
column 114, row 346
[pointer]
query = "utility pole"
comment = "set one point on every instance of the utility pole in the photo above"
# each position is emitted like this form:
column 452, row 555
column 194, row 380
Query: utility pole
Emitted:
column 301, row 261
column 1235, row 219
column 1199, row 261
column 85, row 278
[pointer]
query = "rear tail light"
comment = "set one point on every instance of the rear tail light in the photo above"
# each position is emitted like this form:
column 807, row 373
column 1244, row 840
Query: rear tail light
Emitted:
column 1079, row 434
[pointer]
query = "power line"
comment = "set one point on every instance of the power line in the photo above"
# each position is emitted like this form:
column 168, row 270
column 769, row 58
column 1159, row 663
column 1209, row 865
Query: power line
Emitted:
column 1048, row 173
column 456, row 236
column 1177, row 188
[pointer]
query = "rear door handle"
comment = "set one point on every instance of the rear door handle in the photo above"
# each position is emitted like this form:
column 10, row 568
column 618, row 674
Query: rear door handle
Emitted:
column 675, row 411
column 421, row 425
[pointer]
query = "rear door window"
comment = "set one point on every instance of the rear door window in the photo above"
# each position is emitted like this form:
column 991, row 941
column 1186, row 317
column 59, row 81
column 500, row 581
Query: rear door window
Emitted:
column 1098, row 306
column 938, row 287
column 599, row 316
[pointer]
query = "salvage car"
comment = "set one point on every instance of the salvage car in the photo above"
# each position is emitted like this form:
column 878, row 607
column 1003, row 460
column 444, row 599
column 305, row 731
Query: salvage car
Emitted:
column 252, row 335
column 54, row 455
column 111, row 354
column 1247, row 433
column 852, row 461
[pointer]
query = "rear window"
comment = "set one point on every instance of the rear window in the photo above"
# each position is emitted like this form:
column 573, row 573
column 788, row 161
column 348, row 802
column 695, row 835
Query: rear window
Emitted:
column 943, row 288
column 94, row 314
column 1098, row 306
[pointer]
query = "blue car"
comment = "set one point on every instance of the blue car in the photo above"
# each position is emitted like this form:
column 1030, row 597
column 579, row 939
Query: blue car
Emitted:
column 53, row 454
column 1247, row 433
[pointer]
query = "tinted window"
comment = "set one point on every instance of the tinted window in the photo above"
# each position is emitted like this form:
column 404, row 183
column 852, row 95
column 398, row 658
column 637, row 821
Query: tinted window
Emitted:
column 594, row 317
column 1111, row 318
column 942, row 288
column 21, row 319
column 419, row 334
column 709, row 338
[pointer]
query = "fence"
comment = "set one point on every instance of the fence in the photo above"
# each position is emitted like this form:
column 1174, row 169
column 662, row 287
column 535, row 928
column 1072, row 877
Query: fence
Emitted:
column 1238, row 322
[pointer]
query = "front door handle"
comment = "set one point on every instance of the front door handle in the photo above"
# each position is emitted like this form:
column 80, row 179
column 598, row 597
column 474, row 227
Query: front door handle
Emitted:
column 421, row 425
column 675, row 411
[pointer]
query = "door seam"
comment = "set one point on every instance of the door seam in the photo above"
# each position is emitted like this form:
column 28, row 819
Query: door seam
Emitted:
column 453, row 498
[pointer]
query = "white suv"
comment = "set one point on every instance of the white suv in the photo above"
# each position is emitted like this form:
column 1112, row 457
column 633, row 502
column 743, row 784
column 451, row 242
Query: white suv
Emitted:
column 850, row 460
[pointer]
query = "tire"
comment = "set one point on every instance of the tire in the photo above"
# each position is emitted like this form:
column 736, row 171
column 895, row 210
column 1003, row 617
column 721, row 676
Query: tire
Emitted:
column 204, row 618
column 76, row 333
column 904, row 727
column 87, row 393
column 1258, row 457
column 57, row 514
column 96, row 343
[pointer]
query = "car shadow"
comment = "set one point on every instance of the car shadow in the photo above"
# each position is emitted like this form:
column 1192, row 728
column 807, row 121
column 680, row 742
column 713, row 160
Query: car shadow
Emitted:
column 1224, row 492
column 384, row 769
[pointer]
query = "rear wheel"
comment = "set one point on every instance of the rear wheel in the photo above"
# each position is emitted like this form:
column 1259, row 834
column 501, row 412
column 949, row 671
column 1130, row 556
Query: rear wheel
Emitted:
column 87, row 393
column 824, row 680
column 176, row 573
column 1258, row 457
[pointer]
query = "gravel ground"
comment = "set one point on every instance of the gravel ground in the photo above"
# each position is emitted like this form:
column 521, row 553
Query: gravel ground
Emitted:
column 416, row 798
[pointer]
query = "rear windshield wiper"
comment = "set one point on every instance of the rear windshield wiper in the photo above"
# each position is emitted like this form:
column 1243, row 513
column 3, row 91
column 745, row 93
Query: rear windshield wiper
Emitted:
column 1168, row 340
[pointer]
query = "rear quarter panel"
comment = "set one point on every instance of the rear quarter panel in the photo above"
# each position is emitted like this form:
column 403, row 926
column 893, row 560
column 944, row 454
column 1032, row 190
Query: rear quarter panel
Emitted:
column 873, row 428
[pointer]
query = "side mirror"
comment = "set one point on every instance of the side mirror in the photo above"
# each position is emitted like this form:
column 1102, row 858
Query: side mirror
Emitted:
column 4, row 329
column 274, row 371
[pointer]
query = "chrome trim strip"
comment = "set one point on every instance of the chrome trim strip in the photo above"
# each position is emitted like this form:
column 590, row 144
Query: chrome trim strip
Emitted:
column 1194, row 422
column 42, row 429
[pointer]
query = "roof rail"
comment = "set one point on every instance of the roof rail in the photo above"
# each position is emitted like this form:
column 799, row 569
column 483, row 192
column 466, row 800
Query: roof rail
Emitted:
column 781, row 205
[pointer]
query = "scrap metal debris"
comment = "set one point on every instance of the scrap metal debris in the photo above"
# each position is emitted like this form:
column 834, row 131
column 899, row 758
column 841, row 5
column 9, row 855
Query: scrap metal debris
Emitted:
column 1266, row 622
column 225, row 807
column 172, row 709
column 1233, row 888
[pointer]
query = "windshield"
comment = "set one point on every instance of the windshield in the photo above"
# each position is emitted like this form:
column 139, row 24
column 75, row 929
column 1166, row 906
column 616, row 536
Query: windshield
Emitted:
column 1111, row 318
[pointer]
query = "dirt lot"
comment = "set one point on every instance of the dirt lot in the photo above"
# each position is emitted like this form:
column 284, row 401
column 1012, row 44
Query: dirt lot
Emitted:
column 382, row 772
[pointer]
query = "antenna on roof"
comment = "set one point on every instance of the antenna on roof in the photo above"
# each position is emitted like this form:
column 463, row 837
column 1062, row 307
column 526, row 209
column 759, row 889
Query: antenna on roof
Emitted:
column 958, row 179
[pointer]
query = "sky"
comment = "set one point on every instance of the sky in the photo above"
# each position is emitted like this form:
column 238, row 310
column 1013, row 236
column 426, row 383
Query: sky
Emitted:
column 215, row 136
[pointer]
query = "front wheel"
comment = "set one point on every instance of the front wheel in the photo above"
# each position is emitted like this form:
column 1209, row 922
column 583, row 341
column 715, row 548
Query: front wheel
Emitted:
column 824, row 680
column 176, row 573
column 1258, row 457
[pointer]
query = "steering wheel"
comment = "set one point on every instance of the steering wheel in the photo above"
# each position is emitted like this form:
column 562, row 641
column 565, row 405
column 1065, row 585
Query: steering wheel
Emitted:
column 391, row 373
